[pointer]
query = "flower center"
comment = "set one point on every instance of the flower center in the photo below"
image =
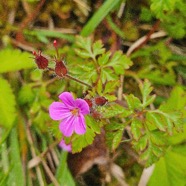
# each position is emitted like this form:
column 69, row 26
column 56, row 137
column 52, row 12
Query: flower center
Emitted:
column 75, row 112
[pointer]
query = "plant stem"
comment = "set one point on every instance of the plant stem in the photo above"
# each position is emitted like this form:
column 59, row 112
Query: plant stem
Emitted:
column 77, row 80
column 73, row 78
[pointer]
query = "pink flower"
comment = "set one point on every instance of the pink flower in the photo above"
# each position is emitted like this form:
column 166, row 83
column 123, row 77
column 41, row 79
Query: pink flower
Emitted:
column 64, row 146
column 71, row 113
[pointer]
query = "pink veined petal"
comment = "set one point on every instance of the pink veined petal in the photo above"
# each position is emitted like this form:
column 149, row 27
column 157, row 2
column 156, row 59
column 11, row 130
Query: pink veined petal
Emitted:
column 58, row 111
column 83, row 106
column 67, row 99
column 79, row 124
column 67, row 126
column 64, row 146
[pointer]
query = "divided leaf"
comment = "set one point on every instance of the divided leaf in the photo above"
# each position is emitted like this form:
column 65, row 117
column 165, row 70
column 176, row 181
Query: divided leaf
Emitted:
column 133, row 102
column 119, row 62
column 114, row 133
column 87, row 49
column 81, row 141
column 111, row 110
column 146, row 89
column 136, row 125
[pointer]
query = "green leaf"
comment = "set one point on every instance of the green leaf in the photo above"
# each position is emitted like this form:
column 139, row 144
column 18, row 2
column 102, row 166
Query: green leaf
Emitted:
column 26, row 94
column 111, row 86
column 93, row 124
column 176, row 101
column 157, row 138
column 160, row 7
column 117, row 139
column 86, row 49
column 97, row 48
column 111, row 110
column 136, row 125
column 132, row 102
column 146, row 89
column 119, row 62
column 166, row 120
column 141, row 144
column 63, row 174
column 170, row 169
column 81, row 141
column 114, row 126
column 104, row 58
column 156, row 119
column 15, row 158
column 13, row 60
column 7, row 102
column 99, row 16
column 114, row 133
column 107, row 75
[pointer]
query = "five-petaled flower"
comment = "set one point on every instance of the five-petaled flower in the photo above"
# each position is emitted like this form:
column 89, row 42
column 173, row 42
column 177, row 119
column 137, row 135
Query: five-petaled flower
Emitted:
column 71, row 113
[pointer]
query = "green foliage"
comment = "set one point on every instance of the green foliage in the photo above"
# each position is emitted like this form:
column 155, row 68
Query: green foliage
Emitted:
column 151, row 119
column 160, row 7
column 7, row 102
column 15, row 160
column 98, row 17
column 63, row 174
column 80, row 141
column 13, row 60
column 114, row 133
column 156, row 64
column 99, row 65
column 170, row 169
column 171, row 13
column 149, row 127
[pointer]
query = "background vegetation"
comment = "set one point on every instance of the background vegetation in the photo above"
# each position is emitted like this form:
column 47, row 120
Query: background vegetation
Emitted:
column 130, row 52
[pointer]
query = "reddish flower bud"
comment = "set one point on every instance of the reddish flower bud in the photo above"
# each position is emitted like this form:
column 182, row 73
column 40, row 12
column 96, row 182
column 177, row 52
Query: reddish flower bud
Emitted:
column 40, row 60
column 60, row 68
column 55, row 44
column 89, row 102
column 100, row 101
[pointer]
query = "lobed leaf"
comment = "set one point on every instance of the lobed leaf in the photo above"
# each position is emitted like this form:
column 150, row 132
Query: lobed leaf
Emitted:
column 136, row 125
column 114, row 133
column 133, row 102
column 81, row 141
column 156, row 119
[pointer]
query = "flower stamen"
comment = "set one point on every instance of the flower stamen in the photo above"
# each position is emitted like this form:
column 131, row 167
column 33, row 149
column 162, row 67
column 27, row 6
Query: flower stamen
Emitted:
column 75, row 112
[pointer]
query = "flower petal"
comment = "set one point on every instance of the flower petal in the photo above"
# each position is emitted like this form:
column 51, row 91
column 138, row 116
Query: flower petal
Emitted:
column 58, row 111
column 64, row 146
column 79, row 124
column 67, row 99
column 83, row 106
column 67, row 126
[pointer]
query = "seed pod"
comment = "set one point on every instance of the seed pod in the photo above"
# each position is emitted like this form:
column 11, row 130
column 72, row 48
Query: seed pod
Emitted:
column 41, row 61
column 60, row 68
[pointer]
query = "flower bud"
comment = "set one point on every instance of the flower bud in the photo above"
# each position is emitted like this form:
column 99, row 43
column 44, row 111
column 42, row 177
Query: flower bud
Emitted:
column 55, row 44
column 40, row 60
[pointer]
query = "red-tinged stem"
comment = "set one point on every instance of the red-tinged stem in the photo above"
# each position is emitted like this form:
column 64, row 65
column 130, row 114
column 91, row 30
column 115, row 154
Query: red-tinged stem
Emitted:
column 77, row 80
column 73, row 78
